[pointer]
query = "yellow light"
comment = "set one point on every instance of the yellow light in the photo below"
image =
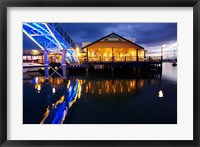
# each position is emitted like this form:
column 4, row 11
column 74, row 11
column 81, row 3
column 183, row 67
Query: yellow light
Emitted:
column 80, row 89
column 53, row 106
column 68, row 84
column 78, row 54
column 45, row 115
column 77, row 50
column 56, row 67
column 38, row 87
column 160, row 93
column 60, row 100
column 92, row 54
column 42, row 68
column 34, row 52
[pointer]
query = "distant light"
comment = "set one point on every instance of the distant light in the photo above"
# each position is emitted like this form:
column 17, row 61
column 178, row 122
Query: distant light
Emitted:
column 77, row 50
column 35, row 52
column 56, row 67
column 163, row 45
column 38, row 87
column 160, row 93
column 53, row 106
column 36, row 79
column 53, row 90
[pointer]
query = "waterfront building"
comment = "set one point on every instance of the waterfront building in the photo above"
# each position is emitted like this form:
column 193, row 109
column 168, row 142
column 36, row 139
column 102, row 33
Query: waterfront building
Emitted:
column 113, row 48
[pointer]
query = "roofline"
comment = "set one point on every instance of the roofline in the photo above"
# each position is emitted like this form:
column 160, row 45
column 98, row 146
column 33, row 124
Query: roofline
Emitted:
column 116, row 35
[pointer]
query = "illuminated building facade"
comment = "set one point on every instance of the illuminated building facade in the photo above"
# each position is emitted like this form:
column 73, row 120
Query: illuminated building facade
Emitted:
column 114, row 48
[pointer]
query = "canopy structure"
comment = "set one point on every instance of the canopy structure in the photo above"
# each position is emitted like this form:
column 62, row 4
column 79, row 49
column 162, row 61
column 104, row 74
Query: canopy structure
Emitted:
column 52, row 38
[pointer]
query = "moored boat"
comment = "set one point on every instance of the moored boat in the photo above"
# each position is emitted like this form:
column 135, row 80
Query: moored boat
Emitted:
column 27, row 67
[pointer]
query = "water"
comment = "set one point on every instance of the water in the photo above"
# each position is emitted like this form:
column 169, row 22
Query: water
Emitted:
column 101, row 98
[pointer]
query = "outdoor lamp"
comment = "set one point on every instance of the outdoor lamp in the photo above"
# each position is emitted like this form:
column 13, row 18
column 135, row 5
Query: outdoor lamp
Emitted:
column 53, row 90
column 160, row 93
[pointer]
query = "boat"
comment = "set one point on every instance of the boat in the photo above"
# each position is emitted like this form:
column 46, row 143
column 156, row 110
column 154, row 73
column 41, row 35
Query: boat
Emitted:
column 174, row 64
column 174, row 61
column 28, row 67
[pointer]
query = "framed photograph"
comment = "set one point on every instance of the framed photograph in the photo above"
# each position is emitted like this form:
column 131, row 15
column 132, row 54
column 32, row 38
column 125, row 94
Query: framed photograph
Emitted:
column 99, row 73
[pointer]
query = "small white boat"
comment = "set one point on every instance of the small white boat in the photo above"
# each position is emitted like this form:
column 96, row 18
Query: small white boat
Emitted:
column 174, row 61
column 27, row 67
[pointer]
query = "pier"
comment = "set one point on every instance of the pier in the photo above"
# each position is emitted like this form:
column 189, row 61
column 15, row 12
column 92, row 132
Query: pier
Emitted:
column 60, row 54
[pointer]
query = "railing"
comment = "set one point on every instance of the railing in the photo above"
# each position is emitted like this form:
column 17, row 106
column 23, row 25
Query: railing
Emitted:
column 110, row 59
column 120, row 59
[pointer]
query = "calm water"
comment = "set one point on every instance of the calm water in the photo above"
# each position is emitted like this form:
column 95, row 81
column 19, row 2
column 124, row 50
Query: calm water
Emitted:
column 101, row 99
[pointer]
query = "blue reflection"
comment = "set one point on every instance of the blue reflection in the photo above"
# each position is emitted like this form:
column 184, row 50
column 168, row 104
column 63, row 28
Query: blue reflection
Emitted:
column 56, row 112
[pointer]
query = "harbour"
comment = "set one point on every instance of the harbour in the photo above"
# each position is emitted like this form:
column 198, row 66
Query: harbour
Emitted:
column 111, row 80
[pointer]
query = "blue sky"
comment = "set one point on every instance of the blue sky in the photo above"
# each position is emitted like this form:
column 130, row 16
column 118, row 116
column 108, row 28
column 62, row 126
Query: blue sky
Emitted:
column 148, row 35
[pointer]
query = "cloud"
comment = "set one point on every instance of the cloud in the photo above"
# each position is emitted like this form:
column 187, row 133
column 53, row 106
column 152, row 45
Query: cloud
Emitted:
column 168, row 51
column 149, row 35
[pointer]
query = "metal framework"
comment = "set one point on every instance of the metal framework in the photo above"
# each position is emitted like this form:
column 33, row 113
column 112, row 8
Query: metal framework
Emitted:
column 52, row 38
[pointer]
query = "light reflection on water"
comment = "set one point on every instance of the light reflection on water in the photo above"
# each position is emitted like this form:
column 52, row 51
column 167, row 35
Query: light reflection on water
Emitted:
column 56, row 111
column 169, row 72
column 85, row 100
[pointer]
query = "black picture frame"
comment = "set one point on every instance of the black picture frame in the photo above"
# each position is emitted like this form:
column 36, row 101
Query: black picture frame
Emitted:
column 4, row 4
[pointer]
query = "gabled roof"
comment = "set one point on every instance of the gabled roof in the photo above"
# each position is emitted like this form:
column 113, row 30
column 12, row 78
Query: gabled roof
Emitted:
column 115, row 35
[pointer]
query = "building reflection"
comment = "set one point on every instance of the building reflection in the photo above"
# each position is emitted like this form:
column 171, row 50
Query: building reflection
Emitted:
column 111, row 86
column 61, row 96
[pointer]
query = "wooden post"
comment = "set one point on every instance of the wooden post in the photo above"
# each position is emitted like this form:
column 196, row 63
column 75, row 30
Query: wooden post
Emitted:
column 137, row 55
column 87, row 71
column 112, row 69
column 87, row 54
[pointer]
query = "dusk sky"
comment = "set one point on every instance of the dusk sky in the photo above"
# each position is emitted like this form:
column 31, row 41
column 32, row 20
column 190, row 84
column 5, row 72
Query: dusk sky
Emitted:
column 148, row 35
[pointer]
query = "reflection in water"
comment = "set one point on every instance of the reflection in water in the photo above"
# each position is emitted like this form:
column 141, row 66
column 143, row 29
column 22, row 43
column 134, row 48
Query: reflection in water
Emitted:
column 107, row 87
column 169, row 72
column 103, row 100
column 113, row 91
column 56, row 112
